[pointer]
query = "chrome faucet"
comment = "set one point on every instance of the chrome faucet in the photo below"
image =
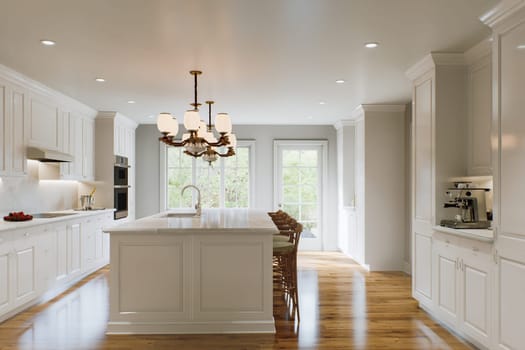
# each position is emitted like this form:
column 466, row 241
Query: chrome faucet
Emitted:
column 198, row 204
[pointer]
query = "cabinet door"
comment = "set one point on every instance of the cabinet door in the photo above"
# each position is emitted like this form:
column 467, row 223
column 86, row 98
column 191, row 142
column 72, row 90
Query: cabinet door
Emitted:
column 19, row 106
column 4, row 130
column 25, row 268
column 480, row 117
column 5, row 277
column 446, row 288
column 61, row 253
column 45, row 124
column 508, row 182
column 74, row 250
column 88, row 149
column 77, row 165
column 475, row 291
column 88, row 245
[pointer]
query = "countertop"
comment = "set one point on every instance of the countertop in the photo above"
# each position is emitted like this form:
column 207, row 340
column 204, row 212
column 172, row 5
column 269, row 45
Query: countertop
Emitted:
column 484, row 235
column 15, row 225
column 211, row 220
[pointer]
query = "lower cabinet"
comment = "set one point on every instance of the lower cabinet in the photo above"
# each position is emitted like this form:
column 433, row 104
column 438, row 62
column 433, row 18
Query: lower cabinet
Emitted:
column 463, row 276
column 42, row 260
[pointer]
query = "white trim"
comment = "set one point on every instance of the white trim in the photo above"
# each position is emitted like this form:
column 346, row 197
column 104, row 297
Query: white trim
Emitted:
column 40, row 89
column 163, row 188
column 432, row 60
column 116, row 115
column 338, row 125
column 501, row 11
column 478, row 51
column 324, row 171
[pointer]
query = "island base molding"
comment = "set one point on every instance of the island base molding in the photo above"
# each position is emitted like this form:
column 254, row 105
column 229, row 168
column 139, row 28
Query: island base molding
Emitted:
column 191, row 327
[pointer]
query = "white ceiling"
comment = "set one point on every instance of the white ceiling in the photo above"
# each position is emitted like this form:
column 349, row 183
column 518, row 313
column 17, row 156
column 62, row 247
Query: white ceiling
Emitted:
column 264, row 61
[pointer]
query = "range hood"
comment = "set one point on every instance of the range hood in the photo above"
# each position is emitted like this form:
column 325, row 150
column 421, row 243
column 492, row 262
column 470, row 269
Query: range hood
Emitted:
column 46, row 155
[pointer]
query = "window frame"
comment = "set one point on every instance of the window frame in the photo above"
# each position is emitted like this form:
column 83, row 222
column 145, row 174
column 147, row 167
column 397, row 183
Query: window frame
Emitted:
column 163, row 181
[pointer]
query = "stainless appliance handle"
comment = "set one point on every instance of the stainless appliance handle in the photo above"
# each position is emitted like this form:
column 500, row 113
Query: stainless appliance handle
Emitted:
column 121, row 165
column 122, row 186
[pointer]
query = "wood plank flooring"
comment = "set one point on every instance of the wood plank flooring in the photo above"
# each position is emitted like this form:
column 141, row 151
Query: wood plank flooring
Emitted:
column 342, row 307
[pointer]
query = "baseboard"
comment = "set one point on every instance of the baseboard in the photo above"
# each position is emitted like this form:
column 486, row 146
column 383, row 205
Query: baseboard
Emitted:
column 188, row 327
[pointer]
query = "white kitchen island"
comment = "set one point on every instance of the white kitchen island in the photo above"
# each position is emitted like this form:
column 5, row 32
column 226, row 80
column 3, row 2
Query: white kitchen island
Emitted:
column 183, row 274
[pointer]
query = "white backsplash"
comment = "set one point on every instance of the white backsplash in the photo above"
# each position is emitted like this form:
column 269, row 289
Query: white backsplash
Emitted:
column 31, row 195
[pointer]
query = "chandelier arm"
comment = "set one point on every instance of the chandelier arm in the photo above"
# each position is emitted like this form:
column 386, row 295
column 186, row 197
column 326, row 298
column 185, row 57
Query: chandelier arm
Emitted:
column 169, row 142
column 230, row 153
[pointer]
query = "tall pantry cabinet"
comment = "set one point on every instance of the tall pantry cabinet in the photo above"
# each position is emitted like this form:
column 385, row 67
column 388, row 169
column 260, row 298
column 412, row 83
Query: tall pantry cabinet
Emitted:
column 508, row 134
column 438, row 153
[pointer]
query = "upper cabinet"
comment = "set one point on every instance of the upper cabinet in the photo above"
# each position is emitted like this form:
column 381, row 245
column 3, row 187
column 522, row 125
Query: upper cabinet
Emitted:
column 13, row 123
column 31, row 114
column 479, row 96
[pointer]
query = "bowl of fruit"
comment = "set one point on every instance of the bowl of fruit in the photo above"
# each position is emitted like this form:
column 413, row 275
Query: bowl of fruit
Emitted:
column 18, row 216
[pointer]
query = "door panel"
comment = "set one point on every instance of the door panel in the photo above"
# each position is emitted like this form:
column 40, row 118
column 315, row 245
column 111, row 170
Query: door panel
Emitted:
column 300, row 176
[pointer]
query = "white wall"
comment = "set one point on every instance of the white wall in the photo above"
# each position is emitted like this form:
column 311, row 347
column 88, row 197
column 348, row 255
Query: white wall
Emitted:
column 30, row 195
column 147, row 160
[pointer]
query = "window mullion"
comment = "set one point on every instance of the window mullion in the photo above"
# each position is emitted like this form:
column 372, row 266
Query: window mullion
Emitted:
column 222, row 189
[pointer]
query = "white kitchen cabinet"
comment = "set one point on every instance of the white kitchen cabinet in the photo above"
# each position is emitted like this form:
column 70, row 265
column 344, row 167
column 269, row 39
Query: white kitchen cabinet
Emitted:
column 74, row 250
column 5, row 275
column 439, row 111
column 480, row 117
column 463, row 284
column 88, row 149
column 80, row 143
column 45, row 123
column 13, row 129
column 508, row 133
column 61, row 253
column 25, row 270
column 88, row 244
column 447, row 278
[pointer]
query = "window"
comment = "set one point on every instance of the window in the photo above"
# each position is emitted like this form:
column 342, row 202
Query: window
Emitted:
column 226, row 184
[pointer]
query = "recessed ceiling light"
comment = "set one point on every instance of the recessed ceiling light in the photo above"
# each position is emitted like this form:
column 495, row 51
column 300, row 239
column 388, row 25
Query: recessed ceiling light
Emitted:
column 47, row 42
column 100, row 80
column 521, row 47
column 371, row 45
column 151, row 116
column 131, row 102
column 322, row 102
column 309, row 117
column 340, row 81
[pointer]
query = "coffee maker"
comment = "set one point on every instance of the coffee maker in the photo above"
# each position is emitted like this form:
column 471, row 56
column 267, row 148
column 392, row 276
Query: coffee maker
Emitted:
column 470, row 205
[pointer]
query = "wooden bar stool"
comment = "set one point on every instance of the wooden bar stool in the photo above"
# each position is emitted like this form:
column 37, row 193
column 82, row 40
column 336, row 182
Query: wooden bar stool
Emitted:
column 285, row 267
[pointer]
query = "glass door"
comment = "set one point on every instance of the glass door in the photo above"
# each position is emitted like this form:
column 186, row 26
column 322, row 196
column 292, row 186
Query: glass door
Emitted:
column 299, row 186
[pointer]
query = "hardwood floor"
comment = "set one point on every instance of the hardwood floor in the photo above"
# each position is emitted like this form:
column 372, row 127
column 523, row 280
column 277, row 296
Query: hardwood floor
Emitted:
column 342, row 307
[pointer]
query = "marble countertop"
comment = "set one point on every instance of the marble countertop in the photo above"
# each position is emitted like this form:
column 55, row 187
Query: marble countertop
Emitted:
column 217, row 220
column 15, row 225
column 484, row 235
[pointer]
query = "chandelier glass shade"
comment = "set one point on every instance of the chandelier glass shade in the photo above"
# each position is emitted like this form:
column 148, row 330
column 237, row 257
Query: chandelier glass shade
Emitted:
column 199, row 140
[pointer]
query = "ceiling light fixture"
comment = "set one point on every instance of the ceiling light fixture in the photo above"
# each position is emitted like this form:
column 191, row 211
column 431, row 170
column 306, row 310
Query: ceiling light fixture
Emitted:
column 200, row 140
column 100, row 80
column 322, row 102
column 340, row 81
column 131, row 102
column 47, row 42
column 521, row 47
column 371, row 45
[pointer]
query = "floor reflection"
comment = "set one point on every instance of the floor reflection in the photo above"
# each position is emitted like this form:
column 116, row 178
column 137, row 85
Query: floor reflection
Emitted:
column 342, row 307
column 75, row 320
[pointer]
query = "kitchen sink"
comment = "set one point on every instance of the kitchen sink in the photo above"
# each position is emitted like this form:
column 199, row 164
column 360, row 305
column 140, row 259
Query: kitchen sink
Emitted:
column 50, row 215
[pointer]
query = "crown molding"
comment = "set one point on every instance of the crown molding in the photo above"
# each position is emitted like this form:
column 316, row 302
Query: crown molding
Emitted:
column 479, row 51
column 116, row 115
column 434, row 59
column 338, row 125
column 36, row 87
column 502, row 11
column 384, row 108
